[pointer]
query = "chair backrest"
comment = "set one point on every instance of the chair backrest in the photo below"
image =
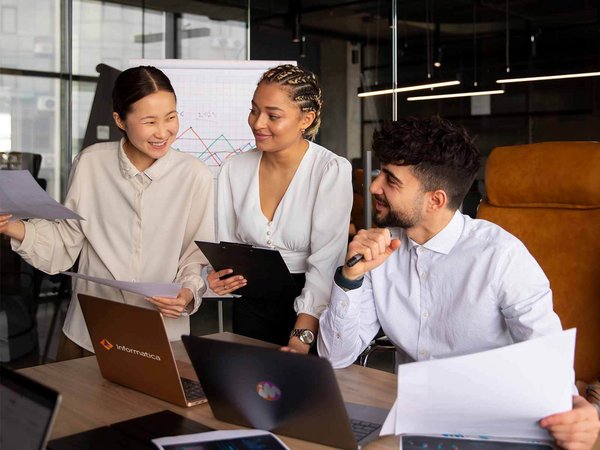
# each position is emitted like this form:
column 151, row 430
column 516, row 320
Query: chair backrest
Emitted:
column 548, row 195
column 21, row 161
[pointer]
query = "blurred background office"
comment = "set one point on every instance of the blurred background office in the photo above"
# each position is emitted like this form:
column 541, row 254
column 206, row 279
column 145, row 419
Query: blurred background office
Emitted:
column 50, row 51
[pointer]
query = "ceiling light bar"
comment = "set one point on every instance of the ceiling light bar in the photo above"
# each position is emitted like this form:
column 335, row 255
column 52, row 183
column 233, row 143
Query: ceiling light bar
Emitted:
column 409, row 88
column 549, row 77
column 459, row 94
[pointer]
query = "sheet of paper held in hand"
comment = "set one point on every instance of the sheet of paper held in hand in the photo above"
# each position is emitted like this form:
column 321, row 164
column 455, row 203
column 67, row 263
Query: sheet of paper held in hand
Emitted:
column 146, row 289
column 22, row 196
column 500, row 393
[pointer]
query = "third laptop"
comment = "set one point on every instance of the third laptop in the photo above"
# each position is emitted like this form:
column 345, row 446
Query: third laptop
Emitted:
column 290, row 394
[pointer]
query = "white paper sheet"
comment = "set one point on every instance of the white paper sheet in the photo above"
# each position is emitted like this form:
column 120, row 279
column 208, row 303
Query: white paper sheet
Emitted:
column 22, row 196
column 146, row 289
column 222, row 435
column 500, row 393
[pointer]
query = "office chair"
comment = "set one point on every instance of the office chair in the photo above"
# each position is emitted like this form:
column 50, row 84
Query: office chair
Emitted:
column 17, row 275
column 548, row 195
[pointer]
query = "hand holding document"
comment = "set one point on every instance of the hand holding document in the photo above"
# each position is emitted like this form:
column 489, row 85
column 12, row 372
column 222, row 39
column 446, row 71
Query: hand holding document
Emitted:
column 22, row 196
column 496, row 394
column 169, row 290
column 216, row 440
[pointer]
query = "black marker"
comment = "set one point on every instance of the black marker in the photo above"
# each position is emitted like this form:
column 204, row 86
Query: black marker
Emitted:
column 394, row 234
column 354, row 260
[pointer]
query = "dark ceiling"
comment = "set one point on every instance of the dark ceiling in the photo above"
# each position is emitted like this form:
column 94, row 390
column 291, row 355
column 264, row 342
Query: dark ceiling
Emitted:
column 543, row 35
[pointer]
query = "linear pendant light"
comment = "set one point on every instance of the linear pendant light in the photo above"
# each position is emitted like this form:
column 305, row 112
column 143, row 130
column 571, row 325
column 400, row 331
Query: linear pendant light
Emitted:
column 459, row 94
column 409, row 88
column 549, row 77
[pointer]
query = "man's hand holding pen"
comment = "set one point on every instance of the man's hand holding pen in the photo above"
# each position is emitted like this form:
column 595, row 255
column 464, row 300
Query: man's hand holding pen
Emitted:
column 368, row 250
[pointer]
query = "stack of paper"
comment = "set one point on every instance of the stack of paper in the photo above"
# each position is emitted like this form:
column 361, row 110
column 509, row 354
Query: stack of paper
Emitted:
column 497, row 394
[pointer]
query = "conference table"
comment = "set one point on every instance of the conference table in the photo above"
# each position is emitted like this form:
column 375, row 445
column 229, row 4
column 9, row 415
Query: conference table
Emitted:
column 89, row 401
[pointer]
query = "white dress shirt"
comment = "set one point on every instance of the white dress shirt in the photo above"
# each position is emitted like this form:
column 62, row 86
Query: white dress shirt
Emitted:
column 470, row 288
column 140, row 226
column 310, row 224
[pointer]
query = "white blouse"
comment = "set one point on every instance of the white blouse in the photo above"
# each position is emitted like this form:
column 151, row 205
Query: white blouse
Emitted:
column 310, row 224
column 140, row 226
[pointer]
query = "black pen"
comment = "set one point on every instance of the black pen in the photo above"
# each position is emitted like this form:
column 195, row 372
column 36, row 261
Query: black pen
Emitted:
column 394, row 234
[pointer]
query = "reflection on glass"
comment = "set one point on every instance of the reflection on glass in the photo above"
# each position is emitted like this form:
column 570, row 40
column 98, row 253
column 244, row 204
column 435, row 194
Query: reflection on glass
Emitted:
column 30, row 34
column 34, row 127
column 113, row 34
column 203, row 38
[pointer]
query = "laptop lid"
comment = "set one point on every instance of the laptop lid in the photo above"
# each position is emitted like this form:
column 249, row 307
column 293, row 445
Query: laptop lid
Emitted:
column 27, row 411
column 132, row 348
column 291, row 394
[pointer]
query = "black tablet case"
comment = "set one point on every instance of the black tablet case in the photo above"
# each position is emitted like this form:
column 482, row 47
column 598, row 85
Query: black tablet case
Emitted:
column 264, row 268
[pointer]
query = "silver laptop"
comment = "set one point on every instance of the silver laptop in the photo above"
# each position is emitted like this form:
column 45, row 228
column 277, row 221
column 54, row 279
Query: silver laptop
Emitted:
column 132, row 349
column 290, row 394
column 27, row 411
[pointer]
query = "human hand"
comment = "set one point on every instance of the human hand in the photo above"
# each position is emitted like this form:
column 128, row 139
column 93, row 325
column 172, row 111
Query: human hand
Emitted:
column 295, row 345
column 576, row 429
column 223, row 286
column 375, row 244
column 173, row 307
column 15, row 229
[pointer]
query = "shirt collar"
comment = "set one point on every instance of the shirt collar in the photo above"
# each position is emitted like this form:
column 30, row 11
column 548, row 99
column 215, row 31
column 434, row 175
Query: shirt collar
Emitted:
column 154, row 172
column 446, row 239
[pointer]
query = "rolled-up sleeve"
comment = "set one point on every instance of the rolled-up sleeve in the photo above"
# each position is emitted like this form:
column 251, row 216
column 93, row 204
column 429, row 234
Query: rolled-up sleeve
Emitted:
column 53, row 246
column 329, row 236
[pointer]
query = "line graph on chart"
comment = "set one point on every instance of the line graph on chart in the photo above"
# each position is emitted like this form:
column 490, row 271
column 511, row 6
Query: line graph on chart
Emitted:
column 212, row 151
column 213, row 110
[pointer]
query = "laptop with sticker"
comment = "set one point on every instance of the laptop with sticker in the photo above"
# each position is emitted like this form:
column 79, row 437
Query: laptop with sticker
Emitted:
column 286, row 393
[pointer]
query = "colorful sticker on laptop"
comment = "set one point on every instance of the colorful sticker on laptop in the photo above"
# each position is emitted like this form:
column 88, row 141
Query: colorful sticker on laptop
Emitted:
column 269, row 391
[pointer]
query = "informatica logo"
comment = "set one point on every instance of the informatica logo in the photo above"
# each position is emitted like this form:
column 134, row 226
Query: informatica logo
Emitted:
column 108, row 346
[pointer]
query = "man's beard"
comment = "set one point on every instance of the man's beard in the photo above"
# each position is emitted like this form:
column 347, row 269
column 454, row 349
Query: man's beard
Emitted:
column 395, row 218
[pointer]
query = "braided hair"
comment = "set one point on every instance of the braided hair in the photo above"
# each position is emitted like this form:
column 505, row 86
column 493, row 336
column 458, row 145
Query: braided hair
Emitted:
column 304, row 89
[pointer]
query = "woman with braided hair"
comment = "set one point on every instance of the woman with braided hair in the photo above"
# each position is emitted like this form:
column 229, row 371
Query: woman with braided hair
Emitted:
column 288, row 194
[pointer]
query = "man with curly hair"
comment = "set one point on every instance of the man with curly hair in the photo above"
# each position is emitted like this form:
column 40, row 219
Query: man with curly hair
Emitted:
column 437, row 282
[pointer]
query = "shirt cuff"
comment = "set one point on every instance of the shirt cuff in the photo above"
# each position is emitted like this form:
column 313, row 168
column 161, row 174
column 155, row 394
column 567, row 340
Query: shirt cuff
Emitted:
column 345, row 283
column 26, row 244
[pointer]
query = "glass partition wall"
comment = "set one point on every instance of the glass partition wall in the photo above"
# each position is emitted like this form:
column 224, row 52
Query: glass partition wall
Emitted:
column 49, row 51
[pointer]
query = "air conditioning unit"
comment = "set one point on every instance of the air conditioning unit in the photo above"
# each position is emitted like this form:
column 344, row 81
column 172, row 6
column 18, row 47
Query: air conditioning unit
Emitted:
column 46, row 103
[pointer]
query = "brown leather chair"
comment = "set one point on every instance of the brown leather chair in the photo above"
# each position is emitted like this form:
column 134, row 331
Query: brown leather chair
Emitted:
column 548, row 195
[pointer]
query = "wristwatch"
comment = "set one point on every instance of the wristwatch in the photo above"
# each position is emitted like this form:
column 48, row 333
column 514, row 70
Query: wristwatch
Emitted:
column 305, row 336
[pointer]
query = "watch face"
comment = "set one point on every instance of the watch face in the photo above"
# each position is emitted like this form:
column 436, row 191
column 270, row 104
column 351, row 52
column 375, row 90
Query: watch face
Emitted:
column 307, row 337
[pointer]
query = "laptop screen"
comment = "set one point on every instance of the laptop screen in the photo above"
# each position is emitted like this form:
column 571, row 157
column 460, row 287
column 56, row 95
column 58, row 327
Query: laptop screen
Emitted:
column 27, row 410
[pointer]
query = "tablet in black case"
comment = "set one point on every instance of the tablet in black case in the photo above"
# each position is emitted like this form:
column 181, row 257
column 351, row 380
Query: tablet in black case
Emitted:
column 263, row 268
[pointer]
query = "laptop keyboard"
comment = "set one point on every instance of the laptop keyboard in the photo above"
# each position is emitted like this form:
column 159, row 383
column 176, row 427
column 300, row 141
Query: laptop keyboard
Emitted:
column 192, row 389
column 362, row 429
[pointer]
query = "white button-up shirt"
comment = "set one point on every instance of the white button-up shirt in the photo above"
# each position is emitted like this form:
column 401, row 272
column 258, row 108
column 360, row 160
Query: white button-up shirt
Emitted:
column 470, row 288
column 140, row 226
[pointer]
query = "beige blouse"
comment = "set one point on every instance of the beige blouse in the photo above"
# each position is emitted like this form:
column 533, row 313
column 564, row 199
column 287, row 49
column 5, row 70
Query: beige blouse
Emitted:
column 140, row 226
